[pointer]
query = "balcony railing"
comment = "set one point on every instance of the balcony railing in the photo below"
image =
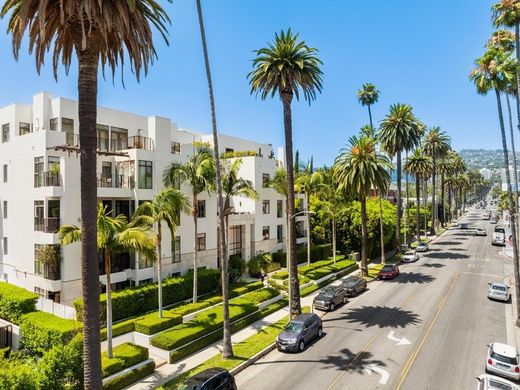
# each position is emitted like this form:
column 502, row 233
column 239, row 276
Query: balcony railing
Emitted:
column 116, row 181
column 47, row 179
column 47, row 225
column 72, row 139
column 301, row 234
column 140, row 142
column 52, row 271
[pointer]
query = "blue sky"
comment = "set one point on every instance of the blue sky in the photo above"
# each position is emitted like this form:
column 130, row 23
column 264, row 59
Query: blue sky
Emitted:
column 417, row 52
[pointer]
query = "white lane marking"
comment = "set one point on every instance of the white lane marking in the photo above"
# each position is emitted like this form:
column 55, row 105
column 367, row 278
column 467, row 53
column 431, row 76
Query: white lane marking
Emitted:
column 373, row 367
column 400, row 341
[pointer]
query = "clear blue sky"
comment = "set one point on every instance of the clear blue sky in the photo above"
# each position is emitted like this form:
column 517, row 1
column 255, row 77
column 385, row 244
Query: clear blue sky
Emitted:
column 417, row 52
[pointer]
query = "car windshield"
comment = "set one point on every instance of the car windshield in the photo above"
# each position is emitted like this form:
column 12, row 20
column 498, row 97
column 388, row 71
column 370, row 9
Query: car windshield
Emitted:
column 493, row 384
column 191, row 385
column 503, row 359
column 350, row 282
column 409, row 253
column 387, row 268
column 327, row 293
column 294, row 327
column 500, row 230
column 498, row 288
column 422, row 244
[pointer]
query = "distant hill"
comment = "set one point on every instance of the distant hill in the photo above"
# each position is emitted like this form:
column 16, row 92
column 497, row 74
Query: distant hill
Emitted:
column 483, row 158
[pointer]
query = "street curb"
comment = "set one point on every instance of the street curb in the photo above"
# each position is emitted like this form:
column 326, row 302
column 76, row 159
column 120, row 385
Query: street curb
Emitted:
column 253, row 359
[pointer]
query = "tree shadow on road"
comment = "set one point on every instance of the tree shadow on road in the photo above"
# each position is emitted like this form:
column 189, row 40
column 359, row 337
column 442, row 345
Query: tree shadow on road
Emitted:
column 434, row 265
column 350, row 361
column 448, row 243
column 412, row 277
column 447, row 255
column 381, row 316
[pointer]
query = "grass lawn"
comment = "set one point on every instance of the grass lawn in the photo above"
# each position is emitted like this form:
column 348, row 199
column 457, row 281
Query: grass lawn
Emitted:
column 373, row 272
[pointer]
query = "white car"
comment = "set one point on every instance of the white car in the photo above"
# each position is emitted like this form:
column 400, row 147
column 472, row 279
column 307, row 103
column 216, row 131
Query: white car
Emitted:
column 410, row 256
column 492, row 382
column 498, row 291
column 422, row 247
column 502, row 359
column 480, row 232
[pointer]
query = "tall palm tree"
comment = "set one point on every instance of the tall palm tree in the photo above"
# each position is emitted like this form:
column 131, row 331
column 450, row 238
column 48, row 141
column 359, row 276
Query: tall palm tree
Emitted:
column 419, row 165
column 106, row 32
column 199, row 173
column 166, row 206
column 114, row 234
column 358, row 169
column 436, row 144
column 398, row 132
column 289, row 68
column 493, row 71
column 368, row 95
column 445, row 168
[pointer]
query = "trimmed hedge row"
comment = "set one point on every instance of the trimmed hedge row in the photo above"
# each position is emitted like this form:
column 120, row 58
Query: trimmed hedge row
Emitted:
column 142, row 299
column 119, row 328
column 15, row 301
column 316, row 286
column 324, row 271
column 130, row 377
column 123, row 356
column 41, row 331
column 151, row 323
column 318, row 252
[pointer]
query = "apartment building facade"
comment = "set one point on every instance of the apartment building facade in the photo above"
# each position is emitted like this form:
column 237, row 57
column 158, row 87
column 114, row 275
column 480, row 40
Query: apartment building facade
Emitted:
column 40, row 191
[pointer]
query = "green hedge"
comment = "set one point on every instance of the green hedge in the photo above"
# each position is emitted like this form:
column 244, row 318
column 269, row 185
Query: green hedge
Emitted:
column 119, row 328
column 324, row 271
column 274, row 266
column 123, row 356
column 130, row 377
column 41, row 331
column 151, row 323
column 15, row 301
column 139, row 300
column 280, row 275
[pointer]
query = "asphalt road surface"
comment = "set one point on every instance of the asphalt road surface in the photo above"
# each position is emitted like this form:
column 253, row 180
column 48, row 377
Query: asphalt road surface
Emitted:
column 426, row 329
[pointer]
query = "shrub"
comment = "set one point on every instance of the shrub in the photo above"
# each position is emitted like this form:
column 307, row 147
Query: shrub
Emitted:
column 280, row 275
column 41, row 331
column 151, row 323
column 16, row 374
column 242, row 289
column 124, row 356
column 130, row 377
column 258, row 263
column 237, row 267
column 119, row 328
column 280, row 257
column 272, row 267
column 15, row 301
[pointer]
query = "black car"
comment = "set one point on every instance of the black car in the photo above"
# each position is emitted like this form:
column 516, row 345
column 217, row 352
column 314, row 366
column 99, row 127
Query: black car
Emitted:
column 329, row 298
column 211, row 379
column 353, row 285
column 299, row 332
column 463, row 225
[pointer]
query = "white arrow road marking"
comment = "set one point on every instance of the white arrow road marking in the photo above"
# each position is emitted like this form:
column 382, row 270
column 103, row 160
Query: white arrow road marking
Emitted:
column 373, row 367
column 400, row 341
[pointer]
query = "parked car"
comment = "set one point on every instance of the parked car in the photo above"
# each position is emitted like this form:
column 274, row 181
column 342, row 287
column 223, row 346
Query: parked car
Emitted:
column 499, row 236
column 486, row 217
column 410, row 256
column 498, row 291
column 493, row 221
column 492, row 382
column 329, row 298
column 502, row 359
column 389, row 272
column 211, row 379
column 299, row 332
column 480, row 232
column 463, row 225
column 353, row 285
column 422, row 247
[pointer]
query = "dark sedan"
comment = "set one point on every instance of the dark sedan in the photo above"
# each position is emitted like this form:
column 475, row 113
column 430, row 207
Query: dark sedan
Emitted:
column 212, row 378
column 329, row 298
column 389, row 272
column 353, row 285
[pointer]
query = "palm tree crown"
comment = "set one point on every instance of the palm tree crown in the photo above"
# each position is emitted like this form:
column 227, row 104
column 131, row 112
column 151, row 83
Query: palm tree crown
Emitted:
column 234, row 185
column 436, row 143
column 505, row 13
column 494, row 70
column 419, row 164
column 368, row 94
column 400, row 130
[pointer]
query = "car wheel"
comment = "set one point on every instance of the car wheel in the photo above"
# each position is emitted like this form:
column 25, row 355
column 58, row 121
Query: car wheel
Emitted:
column 301, row 346
column 332, row 307
column 320, row 332
column 344, row 300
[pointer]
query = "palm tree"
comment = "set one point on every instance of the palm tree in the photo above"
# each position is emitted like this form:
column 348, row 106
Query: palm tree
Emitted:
column 400, row 131
column 331, row 206
column 493, row 71
column 419, row 165
column 368, row 95
column 199, row 173
column 289, row 68
column 445, row 168
column 358, row 169
column 114, row 234
column 166, row 207
column 97, row 32
column 436, row 144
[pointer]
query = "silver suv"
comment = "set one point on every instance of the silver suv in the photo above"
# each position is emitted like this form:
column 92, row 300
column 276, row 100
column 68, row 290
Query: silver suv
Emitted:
column 299, row 332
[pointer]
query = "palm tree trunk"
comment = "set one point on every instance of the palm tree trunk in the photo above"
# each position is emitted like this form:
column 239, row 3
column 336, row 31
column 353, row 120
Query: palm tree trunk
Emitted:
column 418, row 208
column 512, row 146
column 449, row 202
column 87, row 113
column 364, row 240
column 399, row 201
column 425, row 198
column 291, row 252
column 227, row 350
column 370, row 117
column 334, row 239
column 109, row 303
column 511, row 207
column 434, row 208
column 159, row 268
column 308, row 232
column 381, row 229
column 195, row 252
column 407, row 227
column 442, row 200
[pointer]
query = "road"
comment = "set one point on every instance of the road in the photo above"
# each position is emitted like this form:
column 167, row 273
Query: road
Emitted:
column 438, row 305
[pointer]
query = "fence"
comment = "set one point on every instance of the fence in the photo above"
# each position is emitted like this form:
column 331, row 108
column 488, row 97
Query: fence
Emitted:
column 57, row 309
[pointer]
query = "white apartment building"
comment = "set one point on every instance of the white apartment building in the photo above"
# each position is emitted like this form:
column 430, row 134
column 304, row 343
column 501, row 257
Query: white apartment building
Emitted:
column 512, row 176
column 40, row 191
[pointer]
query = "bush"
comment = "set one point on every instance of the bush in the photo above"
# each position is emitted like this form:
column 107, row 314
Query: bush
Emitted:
column 130, row 377
column 272, row 267
column 237, row 267
column 119, row 328
column 15, row 301
column 16, row 374
column 41, row 331
column 258, row 264
column 280, row 275
column 151, row 323
column 123, row 356
column 280, row 257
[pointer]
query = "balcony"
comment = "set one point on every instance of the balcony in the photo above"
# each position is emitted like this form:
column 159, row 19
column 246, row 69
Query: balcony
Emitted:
column 47, row 179
column 140, row 142
column 72, row 139
column 46, row 225
column 301, row 234
column 52, row 271
column 116, row 181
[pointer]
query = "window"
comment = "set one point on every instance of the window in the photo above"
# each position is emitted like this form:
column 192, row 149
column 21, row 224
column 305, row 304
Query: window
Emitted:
column 265, row 180
column 279, row 233
column 6, row 249
column 175, row 275
column 144, row 281
column 201, row 242
column 176, row 148
column 53, row 164
column 38, row 171
column 266, row 207
column 144, row 263
column 5, row 133
column 279, row 208
column 25, row 128
column 145, row 174
column 102, row 137
column 176, row 249
column 265, row 233
column 67, row 125
column 201, row 209
column 5, row 173
column 53, row 124
column 5, row 209
column 119, row 138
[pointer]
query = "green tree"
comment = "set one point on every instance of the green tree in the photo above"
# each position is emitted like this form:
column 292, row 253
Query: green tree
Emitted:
column 166, row 207
column 114, row 235
column 398, row 132
column 289, row 68
column 106, row 33
column 198, row 172
column 367, row 96
column 358, row 169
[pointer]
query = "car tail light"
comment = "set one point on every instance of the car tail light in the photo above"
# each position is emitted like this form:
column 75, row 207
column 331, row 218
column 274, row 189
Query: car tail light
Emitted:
column 517, row 370
column 490, row 362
